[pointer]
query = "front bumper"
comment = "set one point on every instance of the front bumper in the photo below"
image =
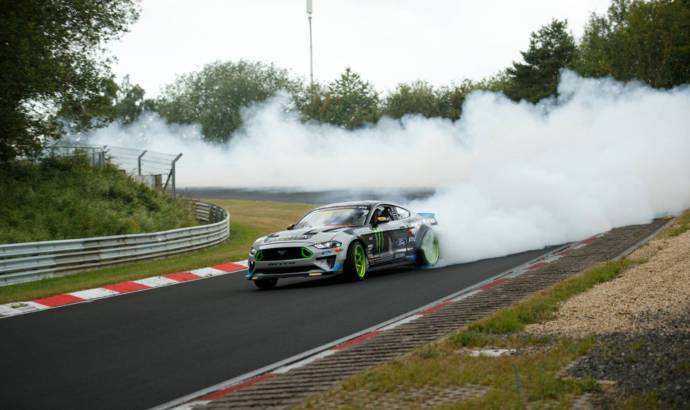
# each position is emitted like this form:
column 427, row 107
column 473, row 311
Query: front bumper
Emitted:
column 313, row 263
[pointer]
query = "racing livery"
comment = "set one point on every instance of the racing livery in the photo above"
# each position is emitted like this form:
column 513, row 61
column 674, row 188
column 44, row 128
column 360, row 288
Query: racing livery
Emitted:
column 349, row 238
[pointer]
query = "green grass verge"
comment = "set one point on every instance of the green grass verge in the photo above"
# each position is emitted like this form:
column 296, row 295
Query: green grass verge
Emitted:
column 249, row 220
column 544, row 305
column 681, row 225
column 64, row 198
column 513, row 381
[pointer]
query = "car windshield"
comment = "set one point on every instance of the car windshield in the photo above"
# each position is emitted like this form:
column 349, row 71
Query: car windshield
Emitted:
column 346, row 216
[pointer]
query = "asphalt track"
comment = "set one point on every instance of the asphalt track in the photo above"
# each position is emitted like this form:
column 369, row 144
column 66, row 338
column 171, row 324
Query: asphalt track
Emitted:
column 139, row 350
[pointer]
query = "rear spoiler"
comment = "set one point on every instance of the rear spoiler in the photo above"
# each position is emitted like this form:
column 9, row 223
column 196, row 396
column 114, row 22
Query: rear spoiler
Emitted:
column 428, row 218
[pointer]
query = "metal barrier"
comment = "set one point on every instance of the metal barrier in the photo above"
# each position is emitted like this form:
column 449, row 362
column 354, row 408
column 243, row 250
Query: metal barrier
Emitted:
column 26, row 262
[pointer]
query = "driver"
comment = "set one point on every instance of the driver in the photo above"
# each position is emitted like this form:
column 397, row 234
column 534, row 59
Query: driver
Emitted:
column 387, row 214
column 375, row 216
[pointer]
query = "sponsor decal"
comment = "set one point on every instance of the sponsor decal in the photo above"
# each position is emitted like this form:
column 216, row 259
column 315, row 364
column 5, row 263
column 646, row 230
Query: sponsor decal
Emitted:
column 401, row 243
column 378, row 235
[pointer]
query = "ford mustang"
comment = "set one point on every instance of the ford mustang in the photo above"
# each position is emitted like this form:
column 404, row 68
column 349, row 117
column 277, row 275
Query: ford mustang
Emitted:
column 351, row 238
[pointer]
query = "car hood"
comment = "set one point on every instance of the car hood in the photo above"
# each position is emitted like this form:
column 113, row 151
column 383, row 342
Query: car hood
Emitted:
column 313, row 234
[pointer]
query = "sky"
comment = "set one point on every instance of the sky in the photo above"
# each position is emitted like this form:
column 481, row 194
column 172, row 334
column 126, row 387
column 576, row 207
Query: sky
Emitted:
column 386, row 41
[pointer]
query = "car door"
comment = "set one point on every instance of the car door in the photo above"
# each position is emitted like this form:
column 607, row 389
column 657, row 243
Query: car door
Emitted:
column 387, row 241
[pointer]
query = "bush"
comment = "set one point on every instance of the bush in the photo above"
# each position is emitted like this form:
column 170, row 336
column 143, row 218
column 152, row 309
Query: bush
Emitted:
column 64, row 198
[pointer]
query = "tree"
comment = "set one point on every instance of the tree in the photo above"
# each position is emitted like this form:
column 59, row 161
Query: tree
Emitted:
column 94, row 109
column 551, row 49
column 349, row 102
column 51, row 52
column 418, row 97
column 130, row 103
column 636, row 40
column 214, row 96
column 124, row 103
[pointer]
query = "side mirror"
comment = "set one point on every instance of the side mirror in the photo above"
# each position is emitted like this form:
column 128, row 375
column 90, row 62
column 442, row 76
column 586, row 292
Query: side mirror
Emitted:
column 289, row 228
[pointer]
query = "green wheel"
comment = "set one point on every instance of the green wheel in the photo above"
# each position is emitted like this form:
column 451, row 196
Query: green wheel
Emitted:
column 429, row 250
column 356, row 264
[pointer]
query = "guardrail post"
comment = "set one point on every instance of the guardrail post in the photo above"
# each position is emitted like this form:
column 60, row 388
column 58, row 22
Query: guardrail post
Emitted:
column 139, row 160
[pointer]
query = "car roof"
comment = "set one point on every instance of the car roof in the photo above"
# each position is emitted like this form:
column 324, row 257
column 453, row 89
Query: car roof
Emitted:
column 369, row 203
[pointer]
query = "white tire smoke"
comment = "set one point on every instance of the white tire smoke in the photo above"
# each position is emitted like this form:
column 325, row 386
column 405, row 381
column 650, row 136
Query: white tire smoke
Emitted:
column 509, row 176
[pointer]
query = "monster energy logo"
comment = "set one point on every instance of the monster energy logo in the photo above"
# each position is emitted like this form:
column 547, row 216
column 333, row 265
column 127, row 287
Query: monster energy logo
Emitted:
column 378, row 237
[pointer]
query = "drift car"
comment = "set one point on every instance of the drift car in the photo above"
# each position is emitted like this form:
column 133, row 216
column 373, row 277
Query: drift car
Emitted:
column 351, row 238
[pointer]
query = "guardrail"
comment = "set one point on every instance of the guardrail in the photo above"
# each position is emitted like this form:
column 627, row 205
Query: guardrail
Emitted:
column 30, row 261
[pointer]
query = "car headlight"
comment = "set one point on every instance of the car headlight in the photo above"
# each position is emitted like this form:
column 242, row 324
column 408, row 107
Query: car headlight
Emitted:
column 328, row 245
column 252, row 252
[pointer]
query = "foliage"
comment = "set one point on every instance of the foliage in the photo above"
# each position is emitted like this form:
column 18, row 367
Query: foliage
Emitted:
column 215, row 96
column 349, row 102
column 551, row 49
column 52, row 53
column 422, row 98
column 113, row 102
column 63, row 198
column 129, row 103
column 637, row 40
column 418, row 97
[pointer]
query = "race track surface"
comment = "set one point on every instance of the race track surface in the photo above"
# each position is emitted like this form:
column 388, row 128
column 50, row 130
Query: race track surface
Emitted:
column 143, row 349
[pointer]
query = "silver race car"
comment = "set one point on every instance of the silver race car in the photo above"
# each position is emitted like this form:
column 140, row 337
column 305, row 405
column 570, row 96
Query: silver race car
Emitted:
column 351, row 238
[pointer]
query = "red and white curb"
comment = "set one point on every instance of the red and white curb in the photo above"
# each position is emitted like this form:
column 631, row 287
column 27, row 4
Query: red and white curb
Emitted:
column 238, row 383
column 117, row 289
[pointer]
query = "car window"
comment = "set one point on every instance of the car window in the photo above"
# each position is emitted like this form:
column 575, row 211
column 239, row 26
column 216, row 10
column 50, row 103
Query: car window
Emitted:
column 346, row 216
column 402, row 212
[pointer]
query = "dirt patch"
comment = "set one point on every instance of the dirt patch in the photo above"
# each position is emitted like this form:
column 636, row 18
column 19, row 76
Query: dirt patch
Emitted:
column 647, row 297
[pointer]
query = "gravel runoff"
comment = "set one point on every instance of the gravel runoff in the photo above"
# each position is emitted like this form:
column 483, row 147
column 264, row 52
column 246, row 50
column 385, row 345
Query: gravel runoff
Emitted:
column 644, row 298
column 642, row 323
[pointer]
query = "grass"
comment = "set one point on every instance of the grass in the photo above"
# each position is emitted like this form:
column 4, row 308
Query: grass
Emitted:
column 681, row 225
column 249, row 220
column 544, row 305
column 64, row 198
column 518, row 381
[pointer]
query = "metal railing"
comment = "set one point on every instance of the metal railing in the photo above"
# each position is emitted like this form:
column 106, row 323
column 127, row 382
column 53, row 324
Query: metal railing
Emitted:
column 25, row 262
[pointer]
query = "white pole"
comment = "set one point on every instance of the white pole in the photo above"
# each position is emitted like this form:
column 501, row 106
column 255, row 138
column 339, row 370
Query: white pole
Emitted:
column 311, row 47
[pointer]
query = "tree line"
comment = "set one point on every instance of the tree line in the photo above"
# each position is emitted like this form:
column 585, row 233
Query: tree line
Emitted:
column 54, row 75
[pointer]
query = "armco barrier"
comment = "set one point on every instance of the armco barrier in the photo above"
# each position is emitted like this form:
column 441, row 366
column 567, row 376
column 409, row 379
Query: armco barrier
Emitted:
column 25, row 262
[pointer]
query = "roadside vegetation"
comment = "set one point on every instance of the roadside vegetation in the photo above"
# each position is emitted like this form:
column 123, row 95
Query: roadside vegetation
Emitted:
column 681, row 226
column 65, row 198
column 250, row 220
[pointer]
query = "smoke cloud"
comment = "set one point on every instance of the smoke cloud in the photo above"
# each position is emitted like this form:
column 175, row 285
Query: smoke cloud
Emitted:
column 508, row 176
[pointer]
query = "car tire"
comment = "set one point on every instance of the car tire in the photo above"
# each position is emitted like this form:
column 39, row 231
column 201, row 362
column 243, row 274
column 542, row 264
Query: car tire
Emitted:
column 265, row 284
column 356, row 264
column 428, row 252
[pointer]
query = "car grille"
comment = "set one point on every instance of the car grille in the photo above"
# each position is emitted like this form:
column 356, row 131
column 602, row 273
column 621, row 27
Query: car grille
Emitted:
column 277, row 254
